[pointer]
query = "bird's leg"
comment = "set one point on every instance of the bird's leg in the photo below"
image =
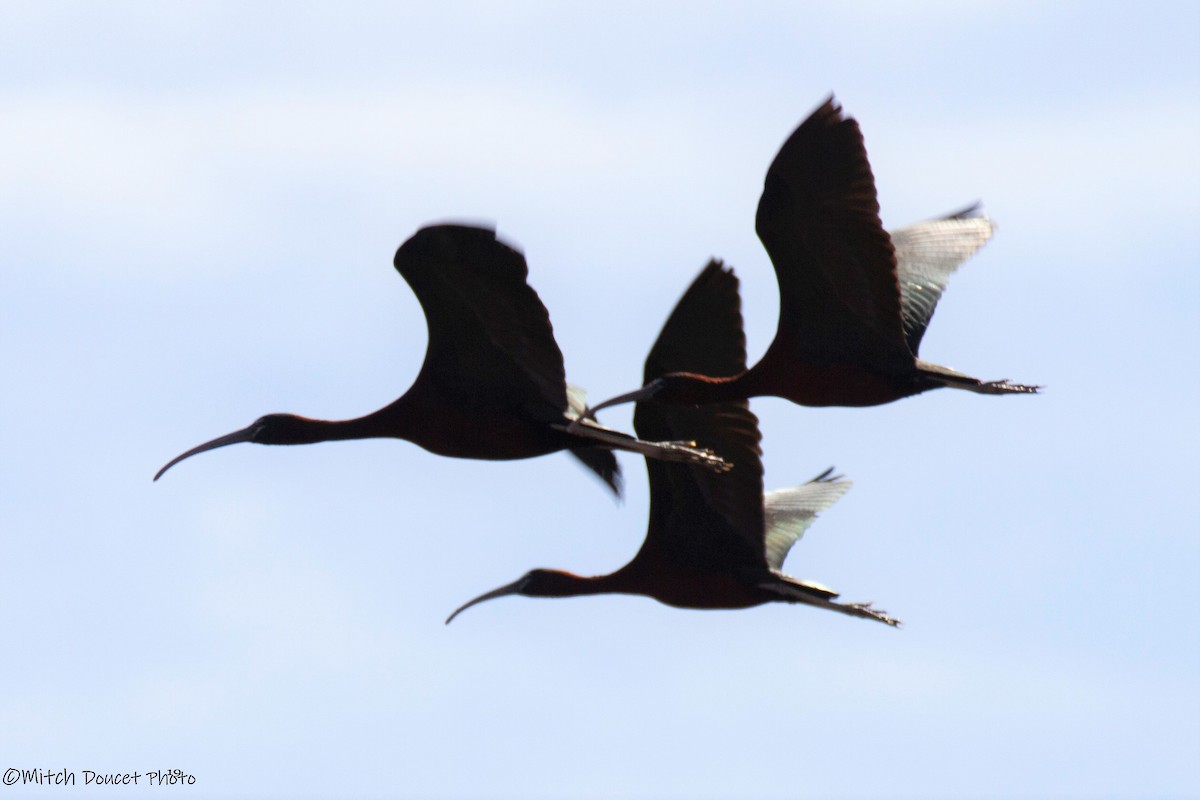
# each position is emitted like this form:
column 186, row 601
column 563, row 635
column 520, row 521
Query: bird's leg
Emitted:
column 686, row 452
column 794, row 592
column 863, row 610
column 952, row 378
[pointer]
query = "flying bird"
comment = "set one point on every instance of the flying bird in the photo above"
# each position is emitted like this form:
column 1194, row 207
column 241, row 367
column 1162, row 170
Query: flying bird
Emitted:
column 492, row 385
column 854, row 300
column 712, row 541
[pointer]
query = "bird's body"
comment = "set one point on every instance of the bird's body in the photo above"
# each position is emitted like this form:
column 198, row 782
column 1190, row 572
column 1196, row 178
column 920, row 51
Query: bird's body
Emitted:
column 492, row 385
column 680, row 588
column 712, row 541
column 854, row 300
column 462, row 430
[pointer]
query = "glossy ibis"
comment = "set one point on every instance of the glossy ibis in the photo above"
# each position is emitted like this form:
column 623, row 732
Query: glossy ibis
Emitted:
column 492, row 385
column 850, row 321
column 711, row 543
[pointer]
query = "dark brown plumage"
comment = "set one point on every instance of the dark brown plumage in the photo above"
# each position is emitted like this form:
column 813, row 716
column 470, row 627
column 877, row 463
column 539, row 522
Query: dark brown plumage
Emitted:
column 708, row 544
column 849, row 321
column 492, row 385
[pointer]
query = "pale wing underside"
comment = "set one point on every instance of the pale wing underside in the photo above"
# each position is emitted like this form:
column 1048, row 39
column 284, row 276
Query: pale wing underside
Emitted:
column 788, row 513
column 927, row 254
column 576, row 401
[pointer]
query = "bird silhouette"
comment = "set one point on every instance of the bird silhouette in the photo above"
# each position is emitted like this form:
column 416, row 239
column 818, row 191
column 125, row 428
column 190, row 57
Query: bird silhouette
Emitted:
column 712, row 542
column 850, row 318
column 492, row 385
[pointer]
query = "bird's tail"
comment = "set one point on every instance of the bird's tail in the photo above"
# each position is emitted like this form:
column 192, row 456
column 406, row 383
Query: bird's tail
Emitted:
column 602, row 462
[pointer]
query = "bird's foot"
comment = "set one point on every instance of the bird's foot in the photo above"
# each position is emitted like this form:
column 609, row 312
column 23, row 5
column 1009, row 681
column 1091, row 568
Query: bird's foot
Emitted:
column 1002, row 386
column 689, row 453
column 868, row 611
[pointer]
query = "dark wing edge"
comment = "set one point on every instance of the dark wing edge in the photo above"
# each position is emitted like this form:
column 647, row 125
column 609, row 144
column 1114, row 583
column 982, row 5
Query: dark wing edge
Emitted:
column 818, row 219
column 488, row 329
column 703, row 334
column 699, row 516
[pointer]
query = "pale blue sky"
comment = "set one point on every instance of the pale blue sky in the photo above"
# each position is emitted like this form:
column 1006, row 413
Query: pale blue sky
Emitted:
column 199, row 204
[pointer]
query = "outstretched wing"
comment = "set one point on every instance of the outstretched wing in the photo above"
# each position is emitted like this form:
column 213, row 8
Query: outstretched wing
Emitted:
column 927, row 254
column 790, row 512
column 699, row 518
column 490, row 339
column 819, row 220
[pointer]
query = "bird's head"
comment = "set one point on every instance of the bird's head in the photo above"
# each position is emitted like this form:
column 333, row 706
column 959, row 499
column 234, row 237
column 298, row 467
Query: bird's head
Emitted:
column 676, row 388
column 535, row 583
column 269, row 429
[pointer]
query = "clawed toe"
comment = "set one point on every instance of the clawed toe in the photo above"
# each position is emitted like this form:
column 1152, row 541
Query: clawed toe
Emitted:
column 715, row 462
column 698, row 455
column 1004, row 387
column 868, row 610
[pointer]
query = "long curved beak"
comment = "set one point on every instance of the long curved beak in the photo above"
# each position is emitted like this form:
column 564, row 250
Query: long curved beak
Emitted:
column 244, row 435
column 636, row 396
column 512, row 588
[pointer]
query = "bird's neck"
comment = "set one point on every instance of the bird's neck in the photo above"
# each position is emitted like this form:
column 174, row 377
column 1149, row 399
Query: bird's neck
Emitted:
column 558, row 583
column 391, row 422
column 688, row 388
